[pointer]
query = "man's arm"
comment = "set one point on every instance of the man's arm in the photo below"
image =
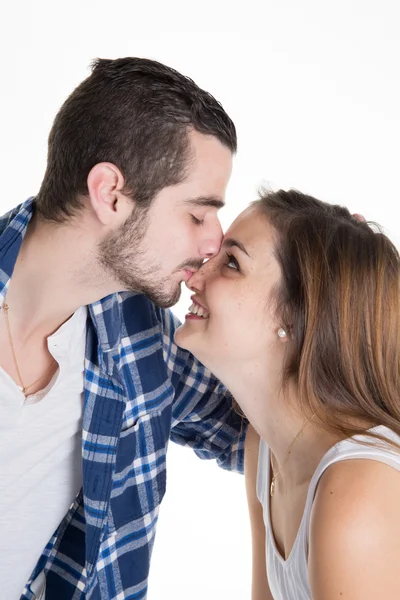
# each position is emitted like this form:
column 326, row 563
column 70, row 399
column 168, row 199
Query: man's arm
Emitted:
column 203, row 413
column 355, row 533
column 260, row 587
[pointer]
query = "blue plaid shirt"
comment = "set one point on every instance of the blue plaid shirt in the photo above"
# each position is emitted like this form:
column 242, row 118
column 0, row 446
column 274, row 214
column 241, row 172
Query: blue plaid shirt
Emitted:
column 140, row 391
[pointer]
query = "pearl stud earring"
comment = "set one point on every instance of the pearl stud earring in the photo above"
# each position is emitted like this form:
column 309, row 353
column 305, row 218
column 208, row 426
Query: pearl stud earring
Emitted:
column 281, row 333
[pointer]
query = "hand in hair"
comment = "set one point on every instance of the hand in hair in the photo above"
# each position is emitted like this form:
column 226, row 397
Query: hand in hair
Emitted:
column 359, row 218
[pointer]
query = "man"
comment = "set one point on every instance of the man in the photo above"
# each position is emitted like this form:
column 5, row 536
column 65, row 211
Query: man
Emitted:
column 92, row 384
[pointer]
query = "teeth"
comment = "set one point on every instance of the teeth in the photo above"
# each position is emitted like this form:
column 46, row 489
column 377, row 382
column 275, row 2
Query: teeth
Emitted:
column 195, row 309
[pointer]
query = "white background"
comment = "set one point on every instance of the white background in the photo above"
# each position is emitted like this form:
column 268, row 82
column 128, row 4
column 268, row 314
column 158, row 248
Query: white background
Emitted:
column 314, row 89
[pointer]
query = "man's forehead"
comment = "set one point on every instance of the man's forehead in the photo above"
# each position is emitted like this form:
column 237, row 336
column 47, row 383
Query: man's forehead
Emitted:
column 210, row 162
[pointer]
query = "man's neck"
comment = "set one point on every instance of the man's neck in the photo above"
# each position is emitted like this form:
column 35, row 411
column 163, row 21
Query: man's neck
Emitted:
column 56, row 272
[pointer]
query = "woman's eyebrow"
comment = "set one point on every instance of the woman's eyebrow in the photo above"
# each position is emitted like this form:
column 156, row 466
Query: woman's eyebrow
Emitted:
column 231, row 242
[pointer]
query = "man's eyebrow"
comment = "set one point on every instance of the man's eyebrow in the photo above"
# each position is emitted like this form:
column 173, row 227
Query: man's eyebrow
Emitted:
column 212, row 201
column 231, row 243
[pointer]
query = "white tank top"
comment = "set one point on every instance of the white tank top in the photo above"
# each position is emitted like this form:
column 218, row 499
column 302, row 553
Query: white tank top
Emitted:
column 288, row 579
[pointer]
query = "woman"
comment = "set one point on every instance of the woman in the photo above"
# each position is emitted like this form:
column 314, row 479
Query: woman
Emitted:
column 299, row 317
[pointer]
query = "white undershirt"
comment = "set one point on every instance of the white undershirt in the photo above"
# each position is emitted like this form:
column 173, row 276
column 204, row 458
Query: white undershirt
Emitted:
column 40, row 456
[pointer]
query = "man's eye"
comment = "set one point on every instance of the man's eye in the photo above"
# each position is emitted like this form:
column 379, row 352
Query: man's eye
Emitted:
column 197, row 221
column 232, row 262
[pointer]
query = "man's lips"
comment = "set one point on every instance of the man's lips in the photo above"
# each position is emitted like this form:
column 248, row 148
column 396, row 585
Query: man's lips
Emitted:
column 188, row 274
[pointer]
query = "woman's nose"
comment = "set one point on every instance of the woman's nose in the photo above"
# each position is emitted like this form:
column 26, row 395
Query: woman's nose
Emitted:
column 197, row 280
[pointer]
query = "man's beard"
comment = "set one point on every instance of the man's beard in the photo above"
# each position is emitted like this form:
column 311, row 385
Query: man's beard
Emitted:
column 122, row 256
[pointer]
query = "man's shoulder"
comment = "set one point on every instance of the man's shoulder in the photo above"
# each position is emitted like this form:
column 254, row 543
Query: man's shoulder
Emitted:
column 7, row 218
column 136, row 306
column 131, row 318
column 141, row 314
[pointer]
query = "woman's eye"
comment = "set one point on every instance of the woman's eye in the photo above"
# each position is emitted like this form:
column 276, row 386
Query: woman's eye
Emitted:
column 197, row 221
column 232, row 262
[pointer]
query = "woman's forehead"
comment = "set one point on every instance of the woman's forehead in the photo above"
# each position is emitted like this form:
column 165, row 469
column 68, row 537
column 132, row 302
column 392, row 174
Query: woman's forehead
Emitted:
column 251, row 227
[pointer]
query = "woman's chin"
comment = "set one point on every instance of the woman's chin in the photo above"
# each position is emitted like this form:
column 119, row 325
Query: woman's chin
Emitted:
column 185, row 338
column 193, row 342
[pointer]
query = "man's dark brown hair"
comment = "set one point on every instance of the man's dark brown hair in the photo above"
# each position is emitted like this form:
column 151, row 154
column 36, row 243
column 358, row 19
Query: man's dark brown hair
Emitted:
column 135, row 113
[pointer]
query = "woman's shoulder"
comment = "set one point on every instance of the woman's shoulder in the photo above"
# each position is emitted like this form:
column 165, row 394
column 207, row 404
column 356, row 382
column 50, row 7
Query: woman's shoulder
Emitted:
column 361, row 477
column 354, row 532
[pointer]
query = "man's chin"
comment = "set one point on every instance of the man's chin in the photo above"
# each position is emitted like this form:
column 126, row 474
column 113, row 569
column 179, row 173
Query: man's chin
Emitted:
column 165, row 301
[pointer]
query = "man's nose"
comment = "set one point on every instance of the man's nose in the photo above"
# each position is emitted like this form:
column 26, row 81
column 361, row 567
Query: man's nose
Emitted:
column 210, row 246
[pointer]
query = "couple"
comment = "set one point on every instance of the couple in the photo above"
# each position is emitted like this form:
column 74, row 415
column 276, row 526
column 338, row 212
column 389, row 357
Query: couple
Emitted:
column 296, row 314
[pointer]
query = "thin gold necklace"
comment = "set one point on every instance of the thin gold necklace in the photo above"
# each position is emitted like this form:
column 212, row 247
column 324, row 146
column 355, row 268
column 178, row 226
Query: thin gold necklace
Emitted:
column 24, row 388
column 273, row 478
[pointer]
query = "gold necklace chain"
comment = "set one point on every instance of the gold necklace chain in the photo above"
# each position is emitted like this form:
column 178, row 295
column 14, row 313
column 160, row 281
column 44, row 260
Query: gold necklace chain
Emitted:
column 25, row 388
column 273, row 478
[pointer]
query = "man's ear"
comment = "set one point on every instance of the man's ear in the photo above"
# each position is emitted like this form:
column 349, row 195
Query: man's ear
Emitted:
column 105, row 184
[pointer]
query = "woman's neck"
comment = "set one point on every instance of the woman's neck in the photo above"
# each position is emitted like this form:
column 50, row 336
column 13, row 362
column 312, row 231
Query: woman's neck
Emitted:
column 274, row 415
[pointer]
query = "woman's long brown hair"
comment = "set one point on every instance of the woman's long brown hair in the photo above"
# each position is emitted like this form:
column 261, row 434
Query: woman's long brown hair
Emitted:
column 339, row 300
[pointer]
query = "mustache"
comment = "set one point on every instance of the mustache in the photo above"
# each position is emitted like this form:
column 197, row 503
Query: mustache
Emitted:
column 194, row 265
